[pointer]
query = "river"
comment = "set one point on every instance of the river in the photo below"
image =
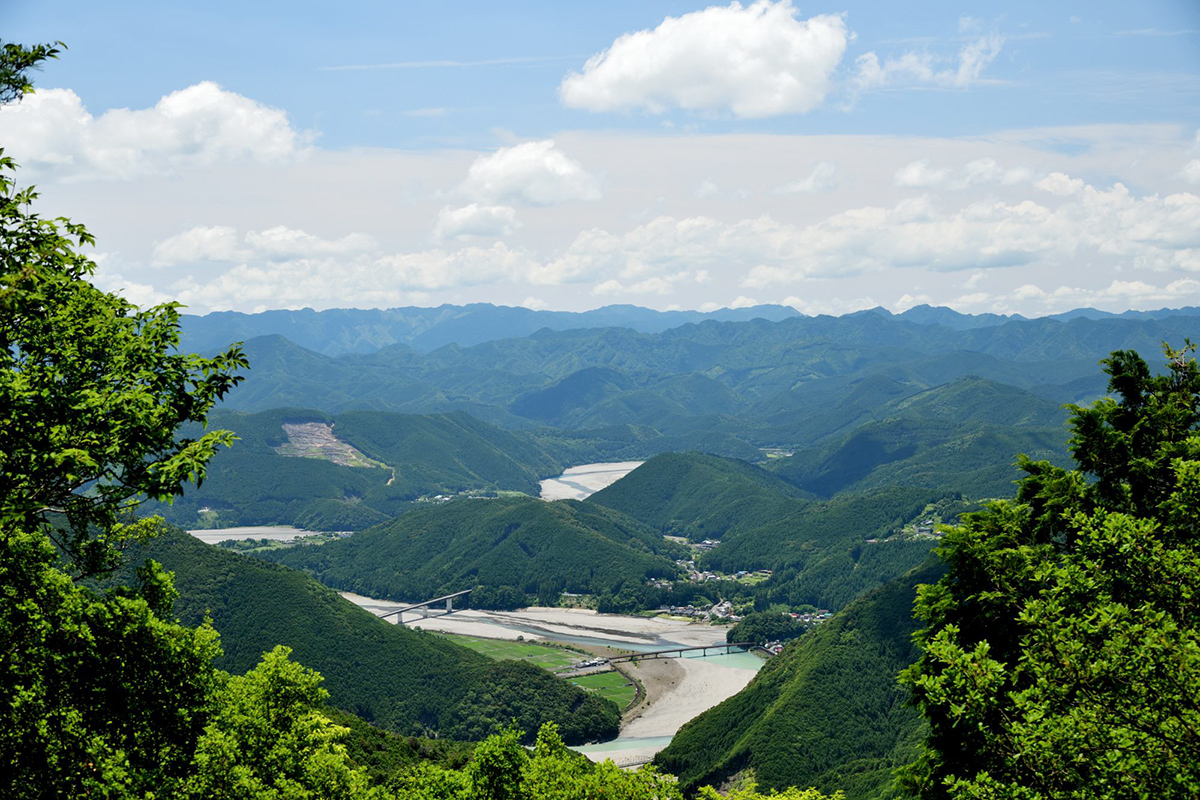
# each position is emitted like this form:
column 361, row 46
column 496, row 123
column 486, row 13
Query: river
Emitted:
column 281, row 533
column 678, row 689
column 585, row 480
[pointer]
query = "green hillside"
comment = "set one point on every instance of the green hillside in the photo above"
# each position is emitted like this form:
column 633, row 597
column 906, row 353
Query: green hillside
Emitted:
column 397, row 678
column 961, row 435
column 819, row 550
column 772, row 374
column 528, row 545
column 449, row 452
column 827, row 712
column 968, row 457
column 701, row 496
column 826, row 554
column 399, row 457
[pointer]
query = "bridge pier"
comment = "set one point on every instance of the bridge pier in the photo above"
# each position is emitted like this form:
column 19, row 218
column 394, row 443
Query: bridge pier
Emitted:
column 399, row 613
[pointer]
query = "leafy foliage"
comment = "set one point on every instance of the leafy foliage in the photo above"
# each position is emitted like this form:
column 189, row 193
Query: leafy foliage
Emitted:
column 92, row 390
column 268, row 739
column 1062, row 653
column 104, row 696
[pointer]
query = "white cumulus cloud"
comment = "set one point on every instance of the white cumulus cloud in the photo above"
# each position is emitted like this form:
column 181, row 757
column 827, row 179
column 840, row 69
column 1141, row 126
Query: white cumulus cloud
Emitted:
column 531, row 173
column 202, row 243
column 52, row 132
column 221, row 243
column 759, row 60
column 982, row 171
column 920, row 175
column 1060, row 183
column 1151, row 232
column 475, row 220
column 1123, row 294
column 1191, row 171
column 819, row 180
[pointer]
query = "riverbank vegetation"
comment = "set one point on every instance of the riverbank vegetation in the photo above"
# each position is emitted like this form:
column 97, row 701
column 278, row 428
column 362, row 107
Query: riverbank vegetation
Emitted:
column 399, row 679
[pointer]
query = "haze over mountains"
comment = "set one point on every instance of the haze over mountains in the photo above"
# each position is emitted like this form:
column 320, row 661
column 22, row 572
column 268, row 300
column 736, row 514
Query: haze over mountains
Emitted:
column 337, row 331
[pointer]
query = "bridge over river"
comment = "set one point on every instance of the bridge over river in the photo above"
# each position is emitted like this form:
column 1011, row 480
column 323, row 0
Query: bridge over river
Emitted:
column 449, row 598
column 677, row 652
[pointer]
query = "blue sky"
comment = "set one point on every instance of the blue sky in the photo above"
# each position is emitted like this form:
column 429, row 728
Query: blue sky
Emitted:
column 1015, row 157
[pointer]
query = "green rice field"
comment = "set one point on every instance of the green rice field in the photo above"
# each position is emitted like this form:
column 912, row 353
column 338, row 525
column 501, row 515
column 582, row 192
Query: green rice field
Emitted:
column 544, row 656
column 612, row 685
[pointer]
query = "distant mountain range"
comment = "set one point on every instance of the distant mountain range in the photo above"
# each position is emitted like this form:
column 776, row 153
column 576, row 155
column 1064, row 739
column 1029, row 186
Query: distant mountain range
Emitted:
column 338, row 331
column 724, row 387
column 351, row 330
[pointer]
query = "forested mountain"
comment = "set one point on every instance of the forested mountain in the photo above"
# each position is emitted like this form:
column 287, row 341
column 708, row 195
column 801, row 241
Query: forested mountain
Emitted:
column 397, row 678
column 521, row 545
column 962, row 435
column 337, row 331
column 827, row 712
column 353, row 470
column 789, row 383
column 701, row 496
column 349, row 330
column 823, row 553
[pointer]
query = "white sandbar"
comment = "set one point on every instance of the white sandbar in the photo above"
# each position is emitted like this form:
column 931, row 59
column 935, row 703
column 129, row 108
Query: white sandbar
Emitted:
column 586, row 479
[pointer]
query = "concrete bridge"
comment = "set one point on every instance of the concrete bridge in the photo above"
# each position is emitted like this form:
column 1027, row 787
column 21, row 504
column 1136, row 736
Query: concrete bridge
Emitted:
column 449, row 598
column 677, row 652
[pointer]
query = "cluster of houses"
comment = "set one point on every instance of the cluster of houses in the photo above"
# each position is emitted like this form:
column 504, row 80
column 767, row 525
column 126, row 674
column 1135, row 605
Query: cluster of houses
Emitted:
column 593, row 662
column 719, row 611
column 702, row 576
column 469, row 494
column 925, row 529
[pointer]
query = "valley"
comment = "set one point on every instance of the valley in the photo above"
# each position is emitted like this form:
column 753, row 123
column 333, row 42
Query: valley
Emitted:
column 395, row 512
column 617, row 502
column 676, row 689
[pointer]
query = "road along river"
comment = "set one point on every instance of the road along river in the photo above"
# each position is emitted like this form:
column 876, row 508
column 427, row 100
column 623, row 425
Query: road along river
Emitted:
column 677, row 689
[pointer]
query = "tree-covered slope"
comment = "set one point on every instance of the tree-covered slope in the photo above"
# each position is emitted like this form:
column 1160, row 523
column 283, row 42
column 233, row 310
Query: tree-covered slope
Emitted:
column 530, row 545
column 827, row 712
column 968, row 457
column 766, row 366
column 828, row 553
column 961, row 436
column 266, row 479
column 701, row 496
column 400, row 679
column 823, row 553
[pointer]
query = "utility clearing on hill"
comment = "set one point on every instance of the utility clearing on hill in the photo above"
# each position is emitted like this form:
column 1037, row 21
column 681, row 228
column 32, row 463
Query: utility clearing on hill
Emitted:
column 316, row 440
